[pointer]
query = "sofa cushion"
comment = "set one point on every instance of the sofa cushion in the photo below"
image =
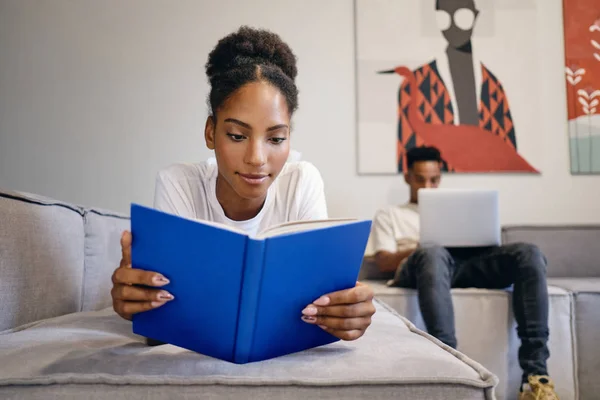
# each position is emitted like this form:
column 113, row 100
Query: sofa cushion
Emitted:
column 41, row 258
column 486, row 332
column 577, row 285
column 103, row 231
column 587, row 324
column 95, row 355
column 572, row 251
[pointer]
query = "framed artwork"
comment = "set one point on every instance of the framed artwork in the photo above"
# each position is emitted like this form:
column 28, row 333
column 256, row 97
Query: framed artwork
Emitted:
column 450, row 74
column 582, row 78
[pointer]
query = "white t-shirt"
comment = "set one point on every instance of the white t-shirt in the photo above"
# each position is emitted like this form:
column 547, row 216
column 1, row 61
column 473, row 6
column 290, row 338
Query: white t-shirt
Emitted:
column 189, row 191
column 395, row 227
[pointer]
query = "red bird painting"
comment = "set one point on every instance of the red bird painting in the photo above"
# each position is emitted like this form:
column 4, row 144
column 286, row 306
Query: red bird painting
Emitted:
column 464, row 148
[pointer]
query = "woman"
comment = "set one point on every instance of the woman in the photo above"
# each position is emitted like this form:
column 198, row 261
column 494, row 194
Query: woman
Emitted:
column 253, row 96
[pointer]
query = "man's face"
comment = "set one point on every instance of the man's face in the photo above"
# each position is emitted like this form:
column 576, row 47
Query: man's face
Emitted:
column 456, row 20
column 423, row 175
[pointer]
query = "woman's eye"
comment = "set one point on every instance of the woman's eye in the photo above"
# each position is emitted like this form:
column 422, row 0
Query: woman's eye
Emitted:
column 277, row 140
column 235, row 138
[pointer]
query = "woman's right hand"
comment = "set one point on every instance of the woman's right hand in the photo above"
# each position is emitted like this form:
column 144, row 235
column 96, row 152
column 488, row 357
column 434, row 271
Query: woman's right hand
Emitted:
column 129, row 299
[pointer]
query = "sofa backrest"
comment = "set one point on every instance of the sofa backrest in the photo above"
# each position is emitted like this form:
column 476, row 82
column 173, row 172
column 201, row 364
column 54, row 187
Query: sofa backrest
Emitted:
column 55, row 258
column 571, row 251
column 41, row 258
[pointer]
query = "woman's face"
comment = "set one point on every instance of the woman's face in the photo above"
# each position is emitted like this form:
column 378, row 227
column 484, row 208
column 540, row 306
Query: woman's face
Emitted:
column 250, row 138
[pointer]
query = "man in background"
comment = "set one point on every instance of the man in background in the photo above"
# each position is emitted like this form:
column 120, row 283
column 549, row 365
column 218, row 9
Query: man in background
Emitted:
column 434, row 270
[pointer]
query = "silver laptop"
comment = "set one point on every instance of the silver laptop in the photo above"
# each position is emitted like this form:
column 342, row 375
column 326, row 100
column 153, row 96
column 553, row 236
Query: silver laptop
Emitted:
column 459, row 217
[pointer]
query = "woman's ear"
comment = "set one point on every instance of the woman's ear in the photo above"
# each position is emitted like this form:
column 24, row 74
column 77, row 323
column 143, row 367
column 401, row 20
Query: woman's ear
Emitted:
column 209, row 132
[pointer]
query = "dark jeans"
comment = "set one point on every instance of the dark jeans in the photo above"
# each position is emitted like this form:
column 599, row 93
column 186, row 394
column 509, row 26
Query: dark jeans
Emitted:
column 433, row 271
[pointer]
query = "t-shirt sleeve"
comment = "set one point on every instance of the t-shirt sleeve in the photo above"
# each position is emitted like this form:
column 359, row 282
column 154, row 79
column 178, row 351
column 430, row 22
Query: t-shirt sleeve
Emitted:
column 382, row 234
column 312, row 204
column 170, row 196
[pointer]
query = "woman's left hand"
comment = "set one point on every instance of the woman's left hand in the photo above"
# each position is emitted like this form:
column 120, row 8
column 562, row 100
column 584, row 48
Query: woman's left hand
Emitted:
column 345, row 314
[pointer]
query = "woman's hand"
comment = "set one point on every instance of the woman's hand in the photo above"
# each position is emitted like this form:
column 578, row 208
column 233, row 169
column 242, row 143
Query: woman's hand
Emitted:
column 129, row 299
column 345, row 314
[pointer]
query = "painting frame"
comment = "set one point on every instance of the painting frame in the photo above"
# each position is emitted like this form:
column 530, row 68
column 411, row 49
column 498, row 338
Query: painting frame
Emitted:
column 359, row 110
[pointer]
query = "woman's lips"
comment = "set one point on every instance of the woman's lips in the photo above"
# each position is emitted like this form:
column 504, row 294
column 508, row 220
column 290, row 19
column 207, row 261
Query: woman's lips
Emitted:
column 253, row 179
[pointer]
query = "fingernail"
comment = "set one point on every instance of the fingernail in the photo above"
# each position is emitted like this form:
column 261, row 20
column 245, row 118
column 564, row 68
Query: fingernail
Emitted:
column 165, row 296
column 310, row 310
column 155, row 304
column 322, row 327
column 310, row 320
column 160, row 280
column 322, row 301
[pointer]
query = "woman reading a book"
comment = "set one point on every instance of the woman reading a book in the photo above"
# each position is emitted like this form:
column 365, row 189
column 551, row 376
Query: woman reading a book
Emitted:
column 250, row 185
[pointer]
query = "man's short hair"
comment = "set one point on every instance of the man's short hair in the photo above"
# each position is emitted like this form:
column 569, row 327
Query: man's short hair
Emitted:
column 423, row 153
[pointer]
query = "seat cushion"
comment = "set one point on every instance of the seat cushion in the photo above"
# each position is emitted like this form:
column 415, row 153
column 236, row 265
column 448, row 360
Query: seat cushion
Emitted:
column 95, row 355
column 587, row 327
column 577, row 285
column 103, row 231
column 41, row 258
column 486, row 332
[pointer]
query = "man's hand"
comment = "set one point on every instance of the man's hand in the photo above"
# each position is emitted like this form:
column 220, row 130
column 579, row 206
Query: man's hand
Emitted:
column 129, row 299
column 389, row 262
column 345, row 314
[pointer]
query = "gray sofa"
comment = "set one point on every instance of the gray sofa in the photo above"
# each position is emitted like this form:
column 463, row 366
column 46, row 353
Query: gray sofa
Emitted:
column 60, row 339
column 485, row 326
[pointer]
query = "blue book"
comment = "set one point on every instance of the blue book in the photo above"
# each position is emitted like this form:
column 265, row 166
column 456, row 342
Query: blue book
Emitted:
column 240, row 298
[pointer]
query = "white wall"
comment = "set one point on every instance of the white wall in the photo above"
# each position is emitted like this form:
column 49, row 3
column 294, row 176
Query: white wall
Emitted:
column 96, row 96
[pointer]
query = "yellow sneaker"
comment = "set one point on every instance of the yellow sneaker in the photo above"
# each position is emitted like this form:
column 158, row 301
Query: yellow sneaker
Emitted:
column 541, row 387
